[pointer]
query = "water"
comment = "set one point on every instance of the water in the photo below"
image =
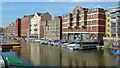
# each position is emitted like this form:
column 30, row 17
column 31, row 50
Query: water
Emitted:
column 35, row 54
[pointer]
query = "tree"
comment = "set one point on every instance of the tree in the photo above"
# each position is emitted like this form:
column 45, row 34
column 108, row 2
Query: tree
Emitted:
column 1, row 29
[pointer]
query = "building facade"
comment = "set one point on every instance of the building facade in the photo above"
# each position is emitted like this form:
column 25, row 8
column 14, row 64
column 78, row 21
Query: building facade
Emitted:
column 108, row 25
column 53, row 29
column 115, row 21
column 84, row 23
column 35, row 24
column 10, row 30
column 4, row 31
column 18, row 28
column 42, row 24
column 25, row 26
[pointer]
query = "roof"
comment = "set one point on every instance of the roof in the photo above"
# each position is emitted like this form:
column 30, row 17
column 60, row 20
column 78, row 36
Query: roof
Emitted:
column 39, row 14
column 14, row 61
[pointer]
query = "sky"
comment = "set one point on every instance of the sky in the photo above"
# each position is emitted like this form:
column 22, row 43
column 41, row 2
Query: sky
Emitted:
column 60, row 0
column 12, row 10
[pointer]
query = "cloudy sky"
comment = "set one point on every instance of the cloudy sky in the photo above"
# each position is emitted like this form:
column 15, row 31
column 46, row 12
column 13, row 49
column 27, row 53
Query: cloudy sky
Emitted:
column 12, row 10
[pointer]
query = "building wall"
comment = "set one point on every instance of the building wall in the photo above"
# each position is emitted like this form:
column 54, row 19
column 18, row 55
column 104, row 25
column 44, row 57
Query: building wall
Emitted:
column 36, row 22
column 4, row 32
column 18, row 28
column 25, row 26
column 84, row 23
column 108, row 24
column 42, row 24
column 44, row 17
column 52, row 29
column 10, row 30
column 115, row 21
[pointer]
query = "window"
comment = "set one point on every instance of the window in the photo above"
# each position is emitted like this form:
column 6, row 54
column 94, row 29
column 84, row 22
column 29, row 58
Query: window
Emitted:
column 93, row 28
column 65, row 29
column 108, row 15
column 108, row 30
column 35, row 29
column 108, row 20
column 94, row 21
column 108, row 25
column 35, row 24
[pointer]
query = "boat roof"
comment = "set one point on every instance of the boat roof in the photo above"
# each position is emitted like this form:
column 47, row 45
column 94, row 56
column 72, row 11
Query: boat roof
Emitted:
column 14, row 61
column 89, row 41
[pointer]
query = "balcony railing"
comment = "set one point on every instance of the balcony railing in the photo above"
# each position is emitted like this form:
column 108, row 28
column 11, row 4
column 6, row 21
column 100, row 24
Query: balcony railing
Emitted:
column 118, row 31
column 118, row 14
column 112, row 25
column 118, row 20
column 113, row 32
column 118, row 25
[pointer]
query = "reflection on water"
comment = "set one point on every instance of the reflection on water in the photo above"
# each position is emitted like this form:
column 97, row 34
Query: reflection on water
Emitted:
column 35, row 54
column 42, row 55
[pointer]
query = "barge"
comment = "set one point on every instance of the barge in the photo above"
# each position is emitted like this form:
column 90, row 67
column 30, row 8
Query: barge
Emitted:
column 8, row 45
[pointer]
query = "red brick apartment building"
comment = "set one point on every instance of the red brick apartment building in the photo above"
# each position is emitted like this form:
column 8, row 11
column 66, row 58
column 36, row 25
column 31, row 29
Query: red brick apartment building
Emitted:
column 25, row 26
column 84, row 23
column 18, row 28
column 4, row 32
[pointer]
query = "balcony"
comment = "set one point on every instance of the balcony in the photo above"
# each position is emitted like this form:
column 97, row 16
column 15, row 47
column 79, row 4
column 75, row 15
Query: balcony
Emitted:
column 69, row 15
column 113, row 32
column 118, row 14
column 70, row 26
column 112, row 25
column 118, row 31
column 118, row 20
column 118, row 25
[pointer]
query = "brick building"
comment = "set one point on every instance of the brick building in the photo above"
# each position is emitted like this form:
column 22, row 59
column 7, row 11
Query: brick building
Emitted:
column 53, row 29
column 4, row 32
column 84, row 23
column 25, row 26
column 18, row 28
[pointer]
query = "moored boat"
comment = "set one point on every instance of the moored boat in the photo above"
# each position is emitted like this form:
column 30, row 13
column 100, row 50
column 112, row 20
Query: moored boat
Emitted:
column 14, row 61
column 115, row 50
column 89, row 44
column 8, row 45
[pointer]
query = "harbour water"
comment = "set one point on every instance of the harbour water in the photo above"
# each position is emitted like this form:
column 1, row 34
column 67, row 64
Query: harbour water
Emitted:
column 35, row 54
